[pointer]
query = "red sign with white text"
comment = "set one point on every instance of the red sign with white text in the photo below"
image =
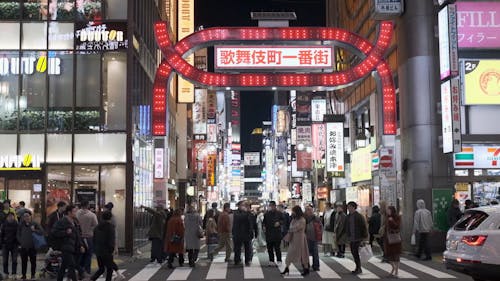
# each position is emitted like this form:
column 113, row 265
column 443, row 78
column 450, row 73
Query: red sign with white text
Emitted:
column 275, row 57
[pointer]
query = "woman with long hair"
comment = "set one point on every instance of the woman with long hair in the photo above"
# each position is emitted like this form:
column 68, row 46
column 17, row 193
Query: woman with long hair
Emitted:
column 297, row 249
column 392, row 247
column 174, row 238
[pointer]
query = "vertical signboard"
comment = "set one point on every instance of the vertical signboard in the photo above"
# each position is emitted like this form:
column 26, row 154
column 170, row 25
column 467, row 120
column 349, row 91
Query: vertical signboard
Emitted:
column 304, row 160
column 235, row 116
column 303, row 104
column 448, row 49
column 200, row 112
column 293, row 118
column 318, row 107
column 211, row 163
column 446, row 117
column 455, row 114
column 318, row 141
column 185, row 89
column 335, row 147
column 307, row 191
column 159, row 163
column 303, row 137
column 211, row 106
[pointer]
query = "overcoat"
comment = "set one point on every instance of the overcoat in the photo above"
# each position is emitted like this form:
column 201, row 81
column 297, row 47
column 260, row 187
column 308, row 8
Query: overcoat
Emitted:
column 297, row 249
column 175, row 226
column 192, row 223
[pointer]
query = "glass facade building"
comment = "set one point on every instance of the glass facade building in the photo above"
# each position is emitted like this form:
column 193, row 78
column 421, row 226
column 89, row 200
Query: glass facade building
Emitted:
column 75, row 85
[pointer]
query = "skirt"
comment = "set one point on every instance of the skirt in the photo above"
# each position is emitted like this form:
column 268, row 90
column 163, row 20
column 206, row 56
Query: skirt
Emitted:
column 328, row 239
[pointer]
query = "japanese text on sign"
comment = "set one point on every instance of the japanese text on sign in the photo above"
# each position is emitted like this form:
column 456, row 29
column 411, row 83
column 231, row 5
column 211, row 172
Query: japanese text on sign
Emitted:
column 274, row 57
column 334, row 147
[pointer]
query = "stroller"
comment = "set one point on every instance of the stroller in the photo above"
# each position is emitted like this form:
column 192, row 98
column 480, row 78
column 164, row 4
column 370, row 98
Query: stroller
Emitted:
column 53, row 262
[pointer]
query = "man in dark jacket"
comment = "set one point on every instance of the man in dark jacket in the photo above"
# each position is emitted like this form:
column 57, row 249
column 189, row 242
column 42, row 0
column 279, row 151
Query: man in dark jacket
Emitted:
column 454, row 213
column 156, row 232
column 273, row 221
column 356, row 232
column 8, row 238
column 104, row 246
column 53, row 218
column 69, row 242
column 25, row 238
column 243, row 233
column 286, row 221
column 216, row 215
column 374, row 224
column 313, row 235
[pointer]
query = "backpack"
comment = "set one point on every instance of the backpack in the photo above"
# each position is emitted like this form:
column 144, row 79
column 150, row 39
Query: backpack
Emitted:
column 318, row 230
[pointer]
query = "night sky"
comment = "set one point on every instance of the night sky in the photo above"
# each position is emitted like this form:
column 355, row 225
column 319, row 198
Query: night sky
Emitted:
column 255, row 106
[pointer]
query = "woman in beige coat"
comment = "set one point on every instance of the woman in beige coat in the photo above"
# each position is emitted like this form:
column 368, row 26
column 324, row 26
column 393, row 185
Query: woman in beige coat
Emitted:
column 297, row 249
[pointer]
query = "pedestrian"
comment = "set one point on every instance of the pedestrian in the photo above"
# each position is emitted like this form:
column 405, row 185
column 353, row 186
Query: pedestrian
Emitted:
column 156, row 231
column 328, row 239
column 104, row 246
column 69, row 242
column 272, row 223
column 243, row 233
column 21, row 209
column 109, row 208
column 8, row 238
column 357, row 231
column 7, row 209
column 87, row 221
column 224, row 229
column 27, row 249
column 374, row 223
column 174, row 238
column 422, row 227
column 468, row 204
column 194, row 232
column 216, row 214
column 54, row 217
column 313, row 234
column 392, row 249
column 296, row 236
column 261, row 238
column 286, row 222
column 340, row 231
column 212, row 238
column 454, row 213
column 381, row 232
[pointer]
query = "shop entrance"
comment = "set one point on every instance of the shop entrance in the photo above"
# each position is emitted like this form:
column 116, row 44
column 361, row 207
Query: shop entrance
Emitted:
column 23, row 186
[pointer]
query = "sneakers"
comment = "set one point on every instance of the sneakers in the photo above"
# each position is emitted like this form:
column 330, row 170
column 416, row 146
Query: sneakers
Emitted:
column 271, row 264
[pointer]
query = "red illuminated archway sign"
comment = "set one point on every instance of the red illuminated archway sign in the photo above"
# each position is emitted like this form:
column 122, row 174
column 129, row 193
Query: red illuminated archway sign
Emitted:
column 373, row 60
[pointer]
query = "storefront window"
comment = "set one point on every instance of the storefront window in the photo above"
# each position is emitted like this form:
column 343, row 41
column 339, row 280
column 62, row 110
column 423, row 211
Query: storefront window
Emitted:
column 493, row 172
column 85, row 185
column 478, row 172
column 114, row 90
column 34, row 36
column 61, row 35
column 9, row 89
column 88, row 92
column 60, row 112
column 143, row 188
column 33, row 90
column 29, row 191
column 12, row 31
column 58, row 186
column 10, row 10
column 113, row 190
column 59, row 148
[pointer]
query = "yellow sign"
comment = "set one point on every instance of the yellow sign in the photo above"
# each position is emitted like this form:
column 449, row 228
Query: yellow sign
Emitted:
column 185, row 89
column 27, row 162
column 361, row 164
column 482, row 81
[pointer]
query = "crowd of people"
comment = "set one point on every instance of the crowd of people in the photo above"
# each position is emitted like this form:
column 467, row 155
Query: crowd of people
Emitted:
column 73, row 233
column 300, row 231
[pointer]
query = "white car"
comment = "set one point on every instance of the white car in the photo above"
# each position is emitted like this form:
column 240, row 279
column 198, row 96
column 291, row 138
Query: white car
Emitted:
column 473, row 244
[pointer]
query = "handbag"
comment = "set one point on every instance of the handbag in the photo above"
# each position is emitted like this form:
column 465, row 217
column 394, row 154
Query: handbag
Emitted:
column 213, row 238
column 176, row 239
column 365, row 253
column 200, row 233
column 413, row 240
column 393, row 238
column 39, row 240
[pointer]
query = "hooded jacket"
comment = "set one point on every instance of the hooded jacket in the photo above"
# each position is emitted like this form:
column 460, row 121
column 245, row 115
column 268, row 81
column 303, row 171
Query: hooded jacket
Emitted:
column 422, row 221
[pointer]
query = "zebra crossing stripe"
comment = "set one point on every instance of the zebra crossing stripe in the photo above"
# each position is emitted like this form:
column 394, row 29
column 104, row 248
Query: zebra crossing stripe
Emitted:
column 325, row 272
column 103, row 278
column 425, row 269
column 350, row 265
column 218, row 269
column 180, row 273
column 294, row 272
column 147, row 272
column 254, row 271
column 387, row 267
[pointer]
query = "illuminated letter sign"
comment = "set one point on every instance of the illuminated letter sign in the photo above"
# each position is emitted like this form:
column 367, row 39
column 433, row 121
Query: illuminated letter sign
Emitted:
column 20, row 163
column 372, row 58
column 273, row 57
column 106, row 36
column 28, row 65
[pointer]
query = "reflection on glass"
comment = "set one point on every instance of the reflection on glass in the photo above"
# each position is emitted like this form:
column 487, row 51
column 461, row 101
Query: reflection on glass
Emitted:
column 86, row 185
column 60, row 113
column 113, row 190
column 78, row 10
column 58, row 187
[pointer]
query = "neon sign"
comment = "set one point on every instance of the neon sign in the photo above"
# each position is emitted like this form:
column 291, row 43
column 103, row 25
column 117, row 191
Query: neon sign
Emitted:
column 28, row 65
column 174, row 61
column 27, row 162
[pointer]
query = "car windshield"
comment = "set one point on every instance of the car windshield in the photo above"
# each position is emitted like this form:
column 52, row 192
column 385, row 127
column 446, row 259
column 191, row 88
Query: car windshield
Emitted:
column 471, row 220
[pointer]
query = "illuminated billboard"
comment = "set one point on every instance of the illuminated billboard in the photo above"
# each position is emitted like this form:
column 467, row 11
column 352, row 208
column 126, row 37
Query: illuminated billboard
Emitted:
column 481, row 81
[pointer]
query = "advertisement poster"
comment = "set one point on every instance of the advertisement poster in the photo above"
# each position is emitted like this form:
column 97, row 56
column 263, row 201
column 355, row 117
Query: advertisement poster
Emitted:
column 441, row 199
column 303, row 104
column 211, row 163
column 463, row 192
column 481, row 81
column 304, row 161
column 211, row 106
column 361, row 164
column 318, row 141
column 318, row 107
column 335, row 147
column 446, row 121
column 307, row 191
column 477, row 24
column 303, row 137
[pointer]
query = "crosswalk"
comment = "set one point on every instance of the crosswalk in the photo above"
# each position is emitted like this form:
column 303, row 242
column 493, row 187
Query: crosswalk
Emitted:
column 330, row 268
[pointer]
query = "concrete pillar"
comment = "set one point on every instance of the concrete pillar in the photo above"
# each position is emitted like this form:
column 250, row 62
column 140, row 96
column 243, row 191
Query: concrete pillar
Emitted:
column 424, row 165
